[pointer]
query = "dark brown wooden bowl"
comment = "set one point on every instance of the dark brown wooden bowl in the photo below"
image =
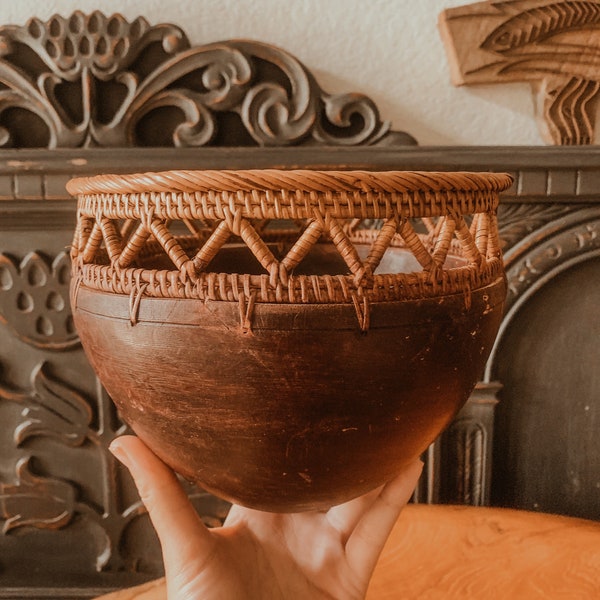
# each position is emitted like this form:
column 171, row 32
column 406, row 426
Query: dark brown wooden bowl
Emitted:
column 277, row 383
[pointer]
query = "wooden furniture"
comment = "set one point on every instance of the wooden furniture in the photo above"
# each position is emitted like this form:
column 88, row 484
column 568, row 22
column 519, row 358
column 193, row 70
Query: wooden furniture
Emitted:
column 72, row 524
column 477, row 553
column 474, row 553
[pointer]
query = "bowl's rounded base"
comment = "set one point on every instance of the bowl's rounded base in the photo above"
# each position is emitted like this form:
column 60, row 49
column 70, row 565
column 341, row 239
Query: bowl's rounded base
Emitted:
column 303, row 411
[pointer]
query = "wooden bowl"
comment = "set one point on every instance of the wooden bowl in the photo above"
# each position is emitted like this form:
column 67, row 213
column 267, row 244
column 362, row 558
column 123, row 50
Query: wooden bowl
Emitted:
column 288, row 339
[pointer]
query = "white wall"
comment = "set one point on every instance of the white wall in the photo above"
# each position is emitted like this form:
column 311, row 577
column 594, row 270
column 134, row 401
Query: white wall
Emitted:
column 388, row 49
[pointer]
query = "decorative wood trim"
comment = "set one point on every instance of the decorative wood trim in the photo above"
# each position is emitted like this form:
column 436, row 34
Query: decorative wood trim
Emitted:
column 537, row 258
column 553, row 45
column 36, row 300
column 542, row 174
column 467, row 449
column 92, row 80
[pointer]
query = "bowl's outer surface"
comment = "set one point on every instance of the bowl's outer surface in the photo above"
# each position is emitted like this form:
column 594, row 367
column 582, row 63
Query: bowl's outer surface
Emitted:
column 302, row 412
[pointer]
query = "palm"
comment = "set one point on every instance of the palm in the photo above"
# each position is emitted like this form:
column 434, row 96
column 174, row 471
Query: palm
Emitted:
column 312, row 555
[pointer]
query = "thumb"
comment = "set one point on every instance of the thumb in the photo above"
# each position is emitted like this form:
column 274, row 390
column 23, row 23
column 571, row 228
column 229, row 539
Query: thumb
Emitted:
column 184, row 539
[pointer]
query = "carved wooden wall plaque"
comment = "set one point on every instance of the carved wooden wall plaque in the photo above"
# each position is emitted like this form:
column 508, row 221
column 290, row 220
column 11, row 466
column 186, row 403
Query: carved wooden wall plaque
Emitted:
column 553, row 44
column 92, row 80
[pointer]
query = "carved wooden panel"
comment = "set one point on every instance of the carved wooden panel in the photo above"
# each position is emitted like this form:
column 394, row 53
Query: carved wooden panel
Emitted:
column 93, row 80
column 546, row 356
column 554, row 45
column 66, row 506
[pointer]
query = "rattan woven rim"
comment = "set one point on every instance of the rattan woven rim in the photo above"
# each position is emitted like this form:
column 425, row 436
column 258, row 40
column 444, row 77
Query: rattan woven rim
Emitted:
column 120, row 217
column 298, row 179
column 294, row 194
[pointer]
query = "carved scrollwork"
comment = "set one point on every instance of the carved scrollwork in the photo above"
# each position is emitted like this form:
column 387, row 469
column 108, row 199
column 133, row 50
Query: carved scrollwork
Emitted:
column 557, row 245
column 51, row 408
column 41, row 502
column 92, row 80
column 516, row 221
column 34, row 300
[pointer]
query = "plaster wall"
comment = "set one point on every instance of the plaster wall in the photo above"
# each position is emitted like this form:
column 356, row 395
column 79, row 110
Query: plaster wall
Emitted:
column 389, row 49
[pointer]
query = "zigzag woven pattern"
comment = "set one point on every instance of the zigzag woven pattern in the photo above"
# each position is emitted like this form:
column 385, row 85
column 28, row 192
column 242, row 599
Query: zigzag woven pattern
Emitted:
column 129, row 237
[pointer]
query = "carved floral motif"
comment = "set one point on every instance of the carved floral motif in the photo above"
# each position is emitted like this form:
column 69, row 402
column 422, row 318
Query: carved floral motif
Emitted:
column 107, row 82
column 34, row 300
column 49, row 408
column 53, row 409
column 40, row 502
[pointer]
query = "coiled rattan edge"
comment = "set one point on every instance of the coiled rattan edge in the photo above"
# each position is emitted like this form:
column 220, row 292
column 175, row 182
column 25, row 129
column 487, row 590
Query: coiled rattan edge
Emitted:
column 304, row 180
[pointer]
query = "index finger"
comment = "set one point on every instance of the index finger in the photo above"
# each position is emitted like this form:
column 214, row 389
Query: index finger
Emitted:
column 371, row 532
column 183, row 537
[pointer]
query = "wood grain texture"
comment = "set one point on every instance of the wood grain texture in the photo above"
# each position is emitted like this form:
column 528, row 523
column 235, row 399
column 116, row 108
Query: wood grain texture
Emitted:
column 314, row 434
column 553, row 45
column 288, row 342
column 472, row 553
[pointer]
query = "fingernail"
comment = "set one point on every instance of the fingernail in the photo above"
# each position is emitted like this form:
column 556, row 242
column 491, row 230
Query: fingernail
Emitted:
column 119, row 452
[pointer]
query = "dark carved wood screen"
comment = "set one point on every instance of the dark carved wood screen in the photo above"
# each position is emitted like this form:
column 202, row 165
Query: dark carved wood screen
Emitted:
column 89, row 94
column 93, row 81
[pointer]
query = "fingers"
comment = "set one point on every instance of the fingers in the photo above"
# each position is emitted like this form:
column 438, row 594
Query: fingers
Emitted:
column 344, row 517
column 371, row 532
column 183, row 536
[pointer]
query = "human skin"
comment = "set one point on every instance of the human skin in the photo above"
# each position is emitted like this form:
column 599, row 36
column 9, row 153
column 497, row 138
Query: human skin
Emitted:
column 310, row 555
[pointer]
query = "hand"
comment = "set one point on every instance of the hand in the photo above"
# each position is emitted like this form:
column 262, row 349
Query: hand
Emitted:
column 311, row 555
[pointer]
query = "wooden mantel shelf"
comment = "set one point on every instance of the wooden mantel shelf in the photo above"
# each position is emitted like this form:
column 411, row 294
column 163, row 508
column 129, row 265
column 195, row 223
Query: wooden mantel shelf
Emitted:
column 557, row 174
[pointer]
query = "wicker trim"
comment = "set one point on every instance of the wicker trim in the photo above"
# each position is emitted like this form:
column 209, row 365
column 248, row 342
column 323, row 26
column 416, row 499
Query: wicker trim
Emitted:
column 302, row 180
column 286, row 205
column 300, row 289
column 125, row 222
column 265, row 194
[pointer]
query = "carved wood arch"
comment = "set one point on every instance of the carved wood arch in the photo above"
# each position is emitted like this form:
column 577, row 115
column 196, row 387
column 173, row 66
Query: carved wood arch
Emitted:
column 549, row 322
column 537, row 258
column 93, row 80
